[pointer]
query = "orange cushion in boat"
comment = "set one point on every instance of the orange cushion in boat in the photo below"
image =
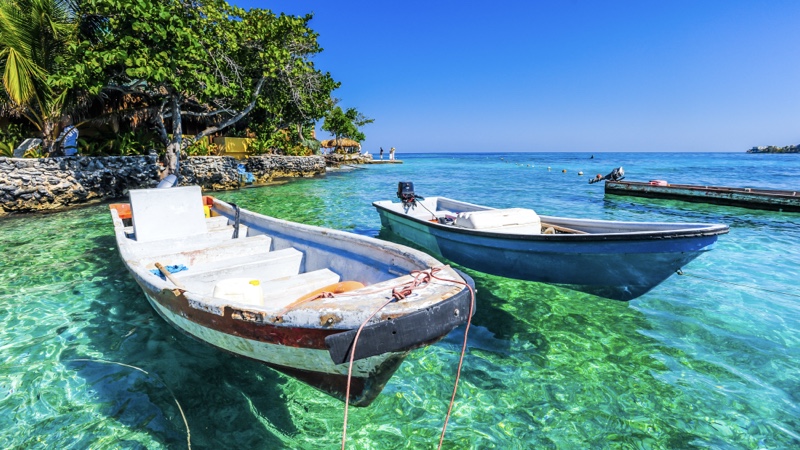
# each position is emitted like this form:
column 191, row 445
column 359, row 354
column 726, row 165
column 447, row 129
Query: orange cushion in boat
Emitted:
column 336, row 288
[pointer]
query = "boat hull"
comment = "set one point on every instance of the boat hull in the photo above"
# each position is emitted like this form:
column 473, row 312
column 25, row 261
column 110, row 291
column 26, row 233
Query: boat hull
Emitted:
column 773, row 200
column 316, row 356
column 311, row 365
column 274, row 321
column 611, row 266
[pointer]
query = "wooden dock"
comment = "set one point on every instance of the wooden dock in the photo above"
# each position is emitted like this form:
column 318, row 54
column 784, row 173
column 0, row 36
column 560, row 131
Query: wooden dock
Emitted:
column 773, row 200
column 385, row 161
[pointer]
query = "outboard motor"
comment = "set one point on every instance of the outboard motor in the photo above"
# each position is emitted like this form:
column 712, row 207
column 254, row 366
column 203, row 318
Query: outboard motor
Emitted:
column 169, row 181
column 615, row 175
column 405, row 192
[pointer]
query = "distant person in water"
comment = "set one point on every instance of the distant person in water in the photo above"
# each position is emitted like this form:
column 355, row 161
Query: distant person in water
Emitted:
column 381, row 153
column 391, row 154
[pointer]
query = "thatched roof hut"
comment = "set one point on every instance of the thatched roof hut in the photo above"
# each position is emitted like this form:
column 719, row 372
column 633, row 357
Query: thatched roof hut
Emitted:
column 341, row 142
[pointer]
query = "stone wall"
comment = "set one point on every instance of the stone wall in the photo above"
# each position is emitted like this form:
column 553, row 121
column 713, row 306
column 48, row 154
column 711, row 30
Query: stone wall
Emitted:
column 212, row 173
column 267, row 168
column 53, row 183
column 338, row 159
column 28, row 185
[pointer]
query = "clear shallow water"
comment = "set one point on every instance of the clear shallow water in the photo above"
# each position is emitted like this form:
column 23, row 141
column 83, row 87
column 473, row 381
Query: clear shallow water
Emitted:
column 695, row 363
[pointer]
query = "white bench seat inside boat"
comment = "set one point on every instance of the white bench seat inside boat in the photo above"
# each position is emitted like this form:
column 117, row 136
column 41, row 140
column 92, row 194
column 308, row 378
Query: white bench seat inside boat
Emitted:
column 261, row 266
column 218, row 222
column 184, row 244
column 201, row 252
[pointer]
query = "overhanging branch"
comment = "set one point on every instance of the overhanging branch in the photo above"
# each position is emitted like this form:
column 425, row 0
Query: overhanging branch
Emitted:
column 235, row 118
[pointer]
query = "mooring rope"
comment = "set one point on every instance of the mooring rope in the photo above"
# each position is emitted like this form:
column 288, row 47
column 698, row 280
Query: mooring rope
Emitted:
column 183, row 416
column 350, row 370
column 421, row 277
column 461, row 358
column 755, row 288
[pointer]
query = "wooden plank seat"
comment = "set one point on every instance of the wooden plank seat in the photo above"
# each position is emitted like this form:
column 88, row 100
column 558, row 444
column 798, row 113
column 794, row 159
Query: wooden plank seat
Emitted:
column 277, row 294
column 263, row 267
column 270, row 265
column 184, row 244
column 217, row 222
column 196, row 254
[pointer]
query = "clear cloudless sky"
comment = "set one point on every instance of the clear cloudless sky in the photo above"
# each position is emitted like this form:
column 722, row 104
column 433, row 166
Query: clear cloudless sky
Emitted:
column 561, row 75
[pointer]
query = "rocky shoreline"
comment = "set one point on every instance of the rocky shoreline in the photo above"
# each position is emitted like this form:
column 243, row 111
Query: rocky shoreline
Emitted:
column 51, row 184
column 774, row 149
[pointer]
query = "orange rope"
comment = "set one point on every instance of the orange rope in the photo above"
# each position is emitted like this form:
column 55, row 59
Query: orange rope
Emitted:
column 350, row 370
column 421, row 277
column 461, row 358
column 398, row 293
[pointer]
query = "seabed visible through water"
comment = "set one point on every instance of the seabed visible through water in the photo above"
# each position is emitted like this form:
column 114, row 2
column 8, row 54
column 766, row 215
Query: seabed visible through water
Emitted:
column 710, row 359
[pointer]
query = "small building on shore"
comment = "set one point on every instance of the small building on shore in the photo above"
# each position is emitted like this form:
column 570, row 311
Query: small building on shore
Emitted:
column 341, row 145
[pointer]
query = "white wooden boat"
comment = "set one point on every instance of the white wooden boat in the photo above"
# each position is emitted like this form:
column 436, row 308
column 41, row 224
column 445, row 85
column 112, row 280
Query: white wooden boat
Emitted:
column 252, row 286
column 618, row 260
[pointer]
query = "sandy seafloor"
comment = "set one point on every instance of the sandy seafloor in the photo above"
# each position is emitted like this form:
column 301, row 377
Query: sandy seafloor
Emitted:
column 706, row 360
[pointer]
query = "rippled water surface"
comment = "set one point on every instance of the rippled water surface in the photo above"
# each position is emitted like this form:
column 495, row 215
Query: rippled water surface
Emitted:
column 710, row 359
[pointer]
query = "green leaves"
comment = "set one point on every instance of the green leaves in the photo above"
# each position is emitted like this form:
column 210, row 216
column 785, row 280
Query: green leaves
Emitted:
column 346, row 124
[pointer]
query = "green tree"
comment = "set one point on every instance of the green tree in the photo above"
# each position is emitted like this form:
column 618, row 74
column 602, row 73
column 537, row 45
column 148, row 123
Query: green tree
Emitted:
column 345, row 123
column 204, row 59
column 34, row 37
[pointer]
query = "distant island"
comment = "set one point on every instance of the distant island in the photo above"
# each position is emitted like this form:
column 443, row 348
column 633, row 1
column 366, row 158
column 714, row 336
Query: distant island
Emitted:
column 773, row 149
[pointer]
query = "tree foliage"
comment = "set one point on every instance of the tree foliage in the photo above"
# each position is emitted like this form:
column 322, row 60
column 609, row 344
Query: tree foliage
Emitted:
column 345, row 123
column 34, row 56
column 203, row 59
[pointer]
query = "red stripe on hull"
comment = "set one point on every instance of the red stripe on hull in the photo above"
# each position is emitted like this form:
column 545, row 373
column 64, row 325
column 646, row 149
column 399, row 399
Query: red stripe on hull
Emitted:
column 363, row 390
column 312, row 338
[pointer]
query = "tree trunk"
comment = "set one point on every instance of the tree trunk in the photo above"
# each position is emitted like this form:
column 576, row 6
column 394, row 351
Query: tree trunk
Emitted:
column 173, row 153
column 49, row 137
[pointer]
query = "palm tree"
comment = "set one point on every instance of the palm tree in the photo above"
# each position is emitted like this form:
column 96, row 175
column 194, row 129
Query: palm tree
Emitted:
column 34, row 35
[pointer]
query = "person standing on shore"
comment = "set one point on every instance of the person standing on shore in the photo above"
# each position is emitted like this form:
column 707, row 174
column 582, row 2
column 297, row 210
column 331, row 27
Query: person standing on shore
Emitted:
column 381, row 153
column 391, row 154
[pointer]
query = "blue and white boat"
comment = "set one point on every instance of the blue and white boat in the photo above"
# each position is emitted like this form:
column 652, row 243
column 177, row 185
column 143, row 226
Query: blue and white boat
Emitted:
column 612, row 259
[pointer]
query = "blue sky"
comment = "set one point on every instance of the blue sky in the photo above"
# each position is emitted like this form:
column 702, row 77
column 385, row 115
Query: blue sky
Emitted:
column 562, row 75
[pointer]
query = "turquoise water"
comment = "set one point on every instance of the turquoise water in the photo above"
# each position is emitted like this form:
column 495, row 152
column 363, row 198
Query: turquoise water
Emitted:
column 710, row 359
